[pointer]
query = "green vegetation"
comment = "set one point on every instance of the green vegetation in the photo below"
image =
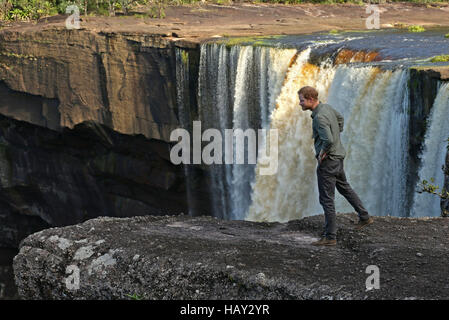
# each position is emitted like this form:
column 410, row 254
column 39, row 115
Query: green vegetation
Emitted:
column 416, row 29
column 446, row 35
column 253, row 40
column 442, row 58
column 18, row 56
column 185, row 57
column 134, row 296
column 427, row 187
column 34, row 9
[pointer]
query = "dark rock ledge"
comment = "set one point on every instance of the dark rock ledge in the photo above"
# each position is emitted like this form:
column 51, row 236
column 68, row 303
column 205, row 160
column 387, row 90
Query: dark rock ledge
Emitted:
column 180, row 257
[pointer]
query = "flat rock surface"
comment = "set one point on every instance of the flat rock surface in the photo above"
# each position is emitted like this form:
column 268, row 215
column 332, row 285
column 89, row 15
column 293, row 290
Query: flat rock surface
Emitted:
column 200, row 21
column 182, row 257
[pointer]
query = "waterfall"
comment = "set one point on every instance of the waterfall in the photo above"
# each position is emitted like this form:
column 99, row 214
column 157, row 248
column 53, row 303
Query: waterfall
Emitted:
column 182, row 91
column 433, row 156
column 237, row 90
column 375, row 106
column 280, row 197
column 242, row 87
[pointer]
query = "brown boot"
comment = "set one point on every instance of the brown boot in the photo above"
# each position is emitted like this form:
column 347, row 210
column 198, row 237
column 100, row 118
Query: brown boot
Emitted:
column 325, row 242
column 363, row 223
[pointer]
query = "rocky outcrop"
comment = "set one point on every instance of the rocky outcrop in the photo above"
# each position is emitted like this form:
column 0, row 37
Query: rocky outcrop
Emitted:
column 50, row 178
column 423, row 87
column 125, row 81
column 181, row 257
column 445, row 202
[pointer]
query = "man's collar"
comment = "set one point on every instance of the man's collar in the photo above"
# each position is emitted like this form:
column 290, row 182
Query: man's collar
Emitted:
column 315, row 111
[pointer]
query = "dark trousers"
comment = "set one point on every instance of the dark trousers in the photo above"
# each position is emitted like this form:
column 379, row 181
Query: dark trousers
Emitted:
column 330, row 175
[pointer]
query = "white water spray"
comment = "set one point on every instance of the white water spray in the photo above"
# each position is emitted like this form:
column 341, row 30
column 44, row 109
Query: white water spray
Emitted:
column 237, row 87
column 375, row 106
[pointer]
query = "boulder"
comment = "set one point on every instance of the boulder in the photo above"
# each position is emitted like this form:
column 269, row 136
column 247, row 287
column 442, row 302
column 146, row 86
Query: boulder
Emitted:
column 183, row 257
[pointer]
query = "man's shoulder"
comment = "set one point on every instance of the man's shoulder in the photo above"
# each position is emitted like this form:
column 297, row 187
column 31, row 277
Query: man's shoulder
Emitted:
column 324, row 111
column 327, row 106
column 328, row 109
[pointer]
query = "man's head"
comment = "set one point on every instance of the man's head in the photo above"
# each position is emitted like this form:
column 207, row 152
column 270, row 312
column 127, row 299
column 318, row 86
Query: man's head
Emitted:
column 308, row 98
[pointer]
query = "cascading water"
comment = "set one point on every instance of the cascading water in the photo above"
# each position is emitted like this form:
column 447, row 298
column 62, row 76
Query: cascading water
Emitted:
column 279, row 197
column 432, row 158
column 375, row 106
column 375, row 136
column 182, row 89
column 256, row 87
column 237, row 88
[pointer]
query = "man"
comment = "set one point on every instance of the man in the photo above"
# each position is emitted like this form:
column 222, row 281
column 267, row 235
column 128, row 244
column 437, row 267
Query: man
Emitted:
column 327, row 124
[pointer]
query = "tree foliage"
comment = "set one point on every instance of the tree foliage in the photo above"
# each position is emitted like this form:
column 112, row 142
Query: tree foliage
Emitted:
column 430, row 187
column 34, row 9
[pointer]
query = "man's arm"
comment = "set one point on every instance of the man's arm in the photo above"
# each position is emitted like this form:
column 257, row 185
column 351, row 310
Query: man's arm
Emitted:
column 340, row 119
column 325, row 133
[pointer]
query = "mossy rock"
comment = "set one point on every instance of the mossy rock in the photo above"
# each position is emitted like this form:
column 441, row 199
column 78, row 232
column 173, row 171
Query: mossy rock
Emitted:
column 250, row 40
column 185, row 57
column 442, row 58
column 416, row 29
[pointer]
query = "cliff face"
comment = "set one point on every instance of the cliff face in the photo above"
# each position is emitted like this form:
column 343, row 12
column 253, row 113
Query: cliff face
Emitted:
column 445, row 202
column 50, row 178
column 423, row 87
column 107, row 87
column 125, row 81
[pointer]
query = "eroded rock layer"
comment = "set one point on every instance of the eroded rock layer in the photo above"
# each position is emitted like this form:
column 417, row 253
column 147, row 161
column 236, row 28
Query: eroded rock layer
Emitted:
column 125, row 81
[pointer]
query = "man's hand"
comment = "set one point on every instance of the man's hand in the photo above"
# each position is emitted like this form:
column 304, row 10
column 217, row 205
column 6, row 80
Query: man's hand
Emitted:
column 321, row 156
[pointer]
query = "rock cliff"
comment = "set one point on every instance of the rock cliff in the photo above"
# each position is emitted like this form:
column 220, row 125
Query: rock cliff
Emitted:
column 125, row 81
column 181, row 257
column 50, row 178
column 117, row 91
column 445, row 202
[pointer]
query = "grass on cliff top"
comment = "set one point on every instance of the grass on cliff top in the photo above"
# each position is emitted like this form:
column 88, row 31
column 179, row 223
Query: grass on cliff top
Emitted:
column 416, row 29
column 442, row 58
column 253, row 40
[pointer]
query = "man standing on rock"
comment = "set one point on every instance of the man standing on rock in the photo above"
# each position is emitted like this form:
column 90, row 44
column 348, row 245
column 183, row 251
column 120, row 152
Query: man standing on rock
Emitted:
column 327, row 124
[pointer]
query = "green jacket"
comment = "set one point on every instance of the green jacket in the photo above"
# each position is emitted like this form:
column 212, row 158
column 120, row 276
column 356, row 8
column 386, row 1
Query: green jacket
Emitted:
column 327, row 124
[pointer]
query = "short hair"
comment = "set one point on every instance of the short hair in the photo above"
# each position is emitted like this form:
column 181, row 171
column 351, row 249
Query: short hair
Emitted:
column 308, row 92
